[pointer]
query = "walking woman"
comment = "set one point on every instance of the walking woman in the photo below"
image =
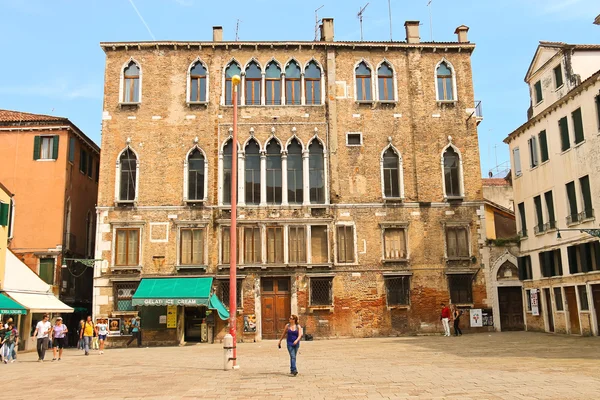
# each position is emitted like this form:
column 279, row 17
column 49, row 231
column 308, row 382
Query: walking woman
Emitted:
column 10, row 339
column 456, row 316
column 293, row 331
column 102, row 332
column 59, row 333
column 87, row 333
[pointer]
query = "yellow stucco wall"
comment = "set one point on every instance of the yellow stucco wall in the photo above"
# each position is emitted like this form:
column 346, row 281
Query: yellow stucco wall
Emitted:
column 4, row 198
column 490, row 225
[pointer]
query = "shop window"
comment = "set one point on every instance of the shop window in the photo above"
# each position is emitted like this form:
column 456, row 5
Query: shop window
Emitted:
column 319, row 244
column 397, row 290
column 124, row 292
column 127, row 247
column 461, row 288
column 223, row 292
column 47, row 270
column 394, row 243
column 274, row 245
column 321, row 291
column 558, row 301
column 192, row 246
column 551, row 263
column 345, row 244
column 457, row 242
column 583, row 299
column 252, row 245
column 297, row 244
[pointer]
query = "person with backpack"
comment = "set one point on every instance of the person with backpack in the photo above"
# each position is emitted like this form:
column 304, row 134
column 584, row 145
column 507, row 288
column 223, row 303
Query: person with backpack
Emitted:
column 135, row 332
column 87, row 333
column 456, row 313
column 11, row 338
column 59, row 334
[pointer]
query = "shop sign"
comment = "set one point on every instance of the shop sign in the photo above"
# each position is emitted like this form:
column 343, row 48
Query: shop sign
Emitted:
column 476, row 318
column 174, row 302
column 171, row 317
column 535, row 309
column 487, row 317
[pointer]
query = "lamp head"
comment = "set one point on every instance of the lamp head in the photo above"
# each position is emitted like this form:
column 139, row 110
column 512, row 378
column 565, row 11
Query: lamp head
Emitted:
column 235, row 80
column 558, row 235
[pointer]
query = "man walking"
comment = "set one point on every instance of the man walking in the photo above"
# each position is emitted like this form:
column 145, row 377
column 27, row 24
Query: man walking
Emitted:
column 445, row 317
column 42, row 330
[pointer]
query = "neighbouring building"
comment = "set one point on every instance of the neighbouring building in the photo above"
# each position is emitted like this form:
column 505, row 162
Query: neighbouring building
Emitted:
column 6, row 226
column 359, row 192
column 52, row 168
column 556, row 180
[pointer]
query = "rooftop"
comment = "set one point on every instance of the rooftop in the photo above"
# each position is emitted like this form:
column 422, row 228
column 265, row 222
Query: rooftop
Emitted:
column 18, row 116
column 495, row 182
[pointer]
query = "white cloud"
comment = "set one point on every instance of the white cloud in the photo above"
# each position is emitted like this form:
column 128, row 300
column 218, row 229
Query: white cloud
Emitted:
column 58, row 89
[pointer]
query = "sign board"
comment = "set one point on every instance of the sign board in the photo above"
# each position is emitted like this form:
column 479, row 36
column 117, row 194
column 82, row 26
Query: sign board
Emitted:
column 114, row 326
column 476, row 318
column 535, row 309
column 250, row 323
column 487, row 317
column 171, row 317
column 162, row 319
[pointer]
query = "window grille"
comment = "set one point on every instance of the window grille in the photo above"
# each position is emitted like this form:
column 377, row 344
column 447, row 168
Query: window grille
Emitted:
column 223, row 292
column 124, row 295
column 321, row 291
column 398, row 290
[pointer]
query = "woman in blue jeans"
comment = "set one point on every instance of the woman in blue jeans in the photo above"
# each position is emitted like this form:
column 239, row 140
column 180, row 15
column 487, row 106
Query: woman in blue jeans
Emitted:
column 293, row 332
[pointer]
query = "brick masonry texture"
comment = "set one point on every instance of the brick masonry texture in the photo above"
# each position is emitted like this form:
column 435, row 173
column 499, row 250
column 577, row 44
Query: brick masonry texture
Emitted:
column 420, row 134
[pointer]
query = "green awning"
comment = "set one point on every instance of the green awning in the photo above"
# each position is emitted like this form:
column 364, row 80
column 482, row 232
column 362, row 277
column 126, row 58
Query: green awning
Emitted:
column 215, row 304
column 173, row 292
column 9, row 306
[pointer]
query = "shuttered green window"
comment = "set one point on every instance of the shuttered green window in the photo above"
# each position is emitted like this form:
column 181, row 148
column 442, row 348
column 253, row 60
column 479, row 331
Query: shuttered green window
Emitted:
column 45, row 147
column 578, row 125
column 47, row 270
column 55, row 147
column 588, row 208
column 4, row 213
column 563, row 126
column 72, row 149
column 571, row 196
column 538, row 92
column 544, row 146
column 550, row 207
column 558, row 78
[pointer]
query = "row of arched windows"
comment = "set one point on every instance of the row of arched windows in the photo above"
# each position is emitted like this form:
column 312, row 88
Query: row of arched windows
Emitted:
column 279, row 174
column 289, row 85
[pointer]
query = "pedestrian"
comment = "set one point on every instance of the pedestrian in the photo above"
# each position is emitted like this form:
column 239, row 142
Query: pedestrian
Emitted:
column 14, row 353
column 456, row 313
column 293, row 332
column 135, row 332
column 445, row 317
column 11, row 338
column 87, row 333
column 80, row 344
column 102, row 332
column 59, row 335
column 3, row 328
column 42, row 331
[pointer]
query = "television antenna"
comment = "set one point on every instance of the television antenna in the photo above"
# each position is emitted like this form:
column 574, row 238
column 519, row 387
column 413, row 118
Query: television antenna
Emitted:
column 360, row 17
column 430, row 23
column 317, row 20
column 237, row 29
column 390, row 13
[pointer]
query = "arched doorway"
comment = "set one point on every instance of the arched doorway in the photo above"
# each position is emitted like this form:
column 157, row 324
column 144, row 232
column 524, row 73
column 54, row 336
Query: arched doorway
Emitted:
column 510, row 297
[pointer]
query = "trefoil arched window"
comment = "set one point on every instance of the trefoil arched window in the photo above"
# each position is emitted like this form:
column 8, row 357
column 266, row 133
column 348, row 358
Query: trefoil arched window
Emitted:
column 293, row 92
column 363, row 82
column 195, row 163
column 385, row 82
column 198, row 83
column 444, row 78
column 252, row 172
column 316, row 172
column 128, row 176
column 273, row 84
column 312, row 84
column 253, row 84
column 232, row 69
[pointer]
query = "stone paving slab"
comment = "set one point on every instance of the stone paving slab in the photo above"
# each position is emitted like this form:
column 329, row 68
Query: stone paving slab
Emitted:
column 518, row 365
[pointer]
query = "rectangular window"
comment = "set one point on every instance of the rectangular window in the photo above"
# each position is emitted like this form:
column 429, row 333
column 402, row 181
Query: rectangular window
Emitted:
column 583, row 299
column 550, row 209
column 319, row 244
column 312, row 91
column 46, row 147
column 551, row 263
column 252, row 246
column 457, row 242
column 563, row 126
column 538, row 92
column 573, row 216
column 192, row 246
column 525, row 270
column 292, row 91
column 558, row 78
column 544, row 146
column 127, row 247
column 72, row 149
column 523, row 232
column 83, row 161
column 345, row 244
column 275, row 245
column 517, row 162
column 321, row 291
column 584, row 257
column 225, row 243
column 586, row 194
column 394, row 243
column 461, row 288
column 539, row 214
column 4, row 214
column 124, row 295
column 528, row 298
column 533, row 153
column 398, row 290
column 353, row 139
column 223, row 292
column 297, row 244
column 558, row 302
column 97, row 172
column 47, row 270
column 578, row 126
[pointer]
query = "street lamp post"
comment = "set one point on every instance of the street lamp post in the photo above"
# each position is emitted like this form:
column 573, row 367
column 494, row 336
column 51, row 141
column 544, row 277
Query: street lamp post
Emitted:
column 235, row 81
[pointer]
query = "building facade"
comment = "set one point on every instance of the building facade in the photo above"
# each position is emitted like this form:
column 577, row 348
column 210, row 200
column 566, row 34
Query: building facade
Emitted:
column 6, row 226
column 52, row 167
column 555, row 167
column 359, row 189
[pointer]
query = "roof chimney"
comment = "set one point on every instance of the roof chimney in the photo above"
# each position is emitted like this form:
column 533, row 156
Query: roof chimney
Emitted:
column 461, row 32
column 327, row 30
column 412, row 31
column 217, row 33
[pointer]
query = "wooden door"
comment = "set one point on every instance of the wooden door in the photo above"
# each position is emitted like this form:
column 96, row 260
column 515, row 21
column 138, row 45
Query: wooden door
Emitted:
column 511, row 308
column 596, row 300
column 549, row 310
column 571, row 299
column 275, row 306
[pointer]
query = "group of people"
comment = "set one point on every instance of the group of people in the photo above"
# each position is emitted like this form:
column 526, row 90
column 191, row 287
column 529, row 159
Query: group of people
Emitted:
column 49, row 335
column 9, row 340
column 453, row 314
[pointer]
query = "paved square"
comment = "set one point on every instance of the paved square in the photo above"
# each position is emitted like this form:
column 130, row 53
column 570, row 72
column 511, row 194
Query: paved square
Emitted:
column 481, row 366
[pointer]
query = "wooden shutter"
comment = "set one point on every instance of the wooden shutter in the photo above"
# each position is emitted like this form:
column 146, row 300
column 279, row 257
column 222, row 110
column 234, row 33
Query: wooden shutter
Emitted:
column 90, row 165
column 564, row 133
column 4, row 212
column 71, row 149
column 578, row 125
column 558, row 261
column 572, row 251
column 585, row 256
column 596, row 247
column 55, row 147
column 544, row 146
column 517, row 161
column 36, row 148
column 521, row 266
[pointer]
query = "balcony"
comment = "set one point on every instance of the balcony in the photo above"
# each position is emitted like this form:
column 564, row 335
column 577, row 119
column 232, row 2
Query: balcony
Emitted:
column 586, row 215
column 522, row 233
column 539, row 229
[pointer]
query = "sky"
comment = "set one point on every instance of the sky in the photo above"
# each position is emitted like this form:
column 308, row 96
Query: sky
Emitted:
column 52, row 63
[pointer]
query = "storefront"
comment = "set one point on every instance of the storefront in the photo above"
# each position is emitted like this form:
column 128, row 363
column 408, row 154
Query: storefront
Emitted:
column 11, row 309
column 176, row 310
